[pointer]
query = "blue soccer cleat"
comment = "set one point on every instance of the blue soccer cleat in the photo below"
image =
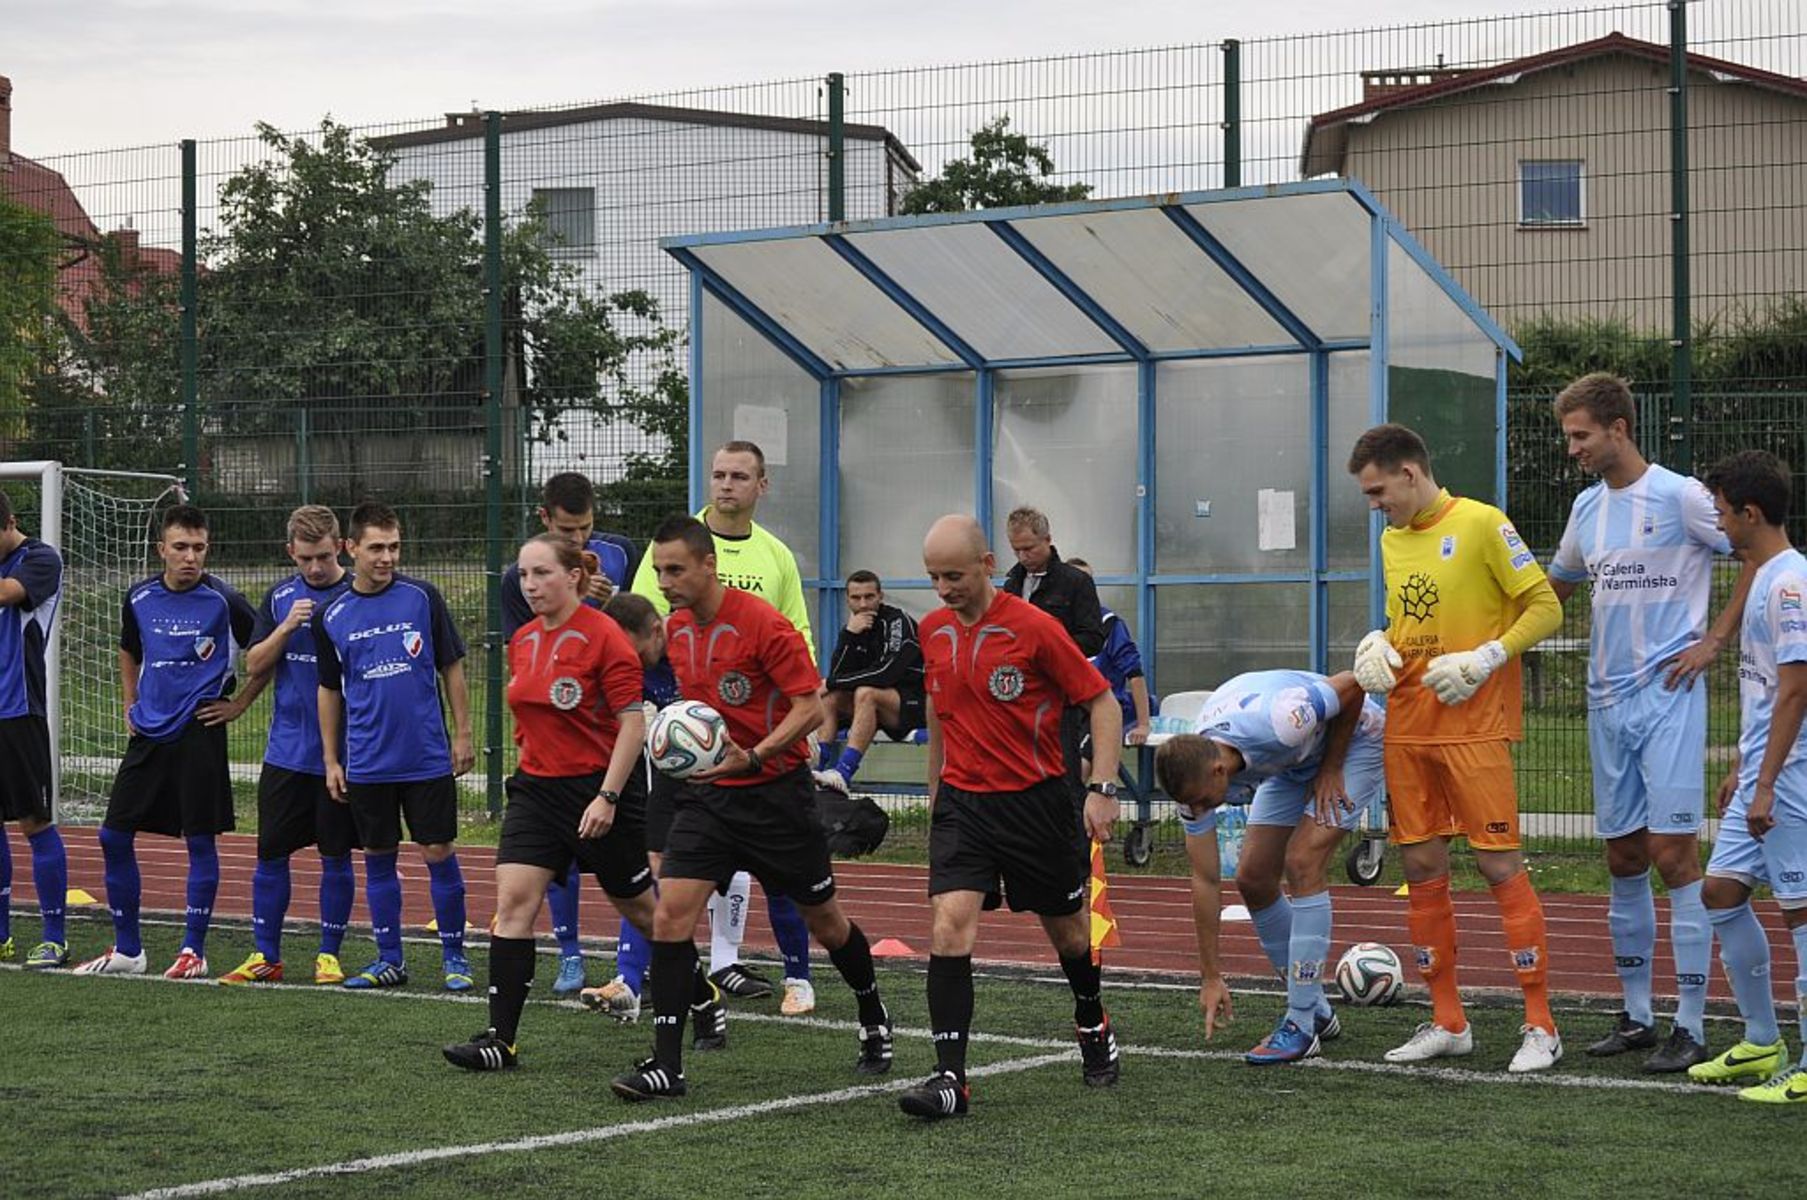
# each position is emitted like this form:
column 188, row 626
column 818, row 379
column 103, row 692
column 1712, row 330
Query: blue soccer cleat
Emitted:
column 1286, row 1044
column 379, row 974
column 458, row 976
column 570, row 975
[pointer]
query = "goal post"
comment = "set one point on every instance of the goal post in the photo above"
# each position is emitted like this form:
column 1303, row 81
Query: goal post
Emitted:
column 101, row 523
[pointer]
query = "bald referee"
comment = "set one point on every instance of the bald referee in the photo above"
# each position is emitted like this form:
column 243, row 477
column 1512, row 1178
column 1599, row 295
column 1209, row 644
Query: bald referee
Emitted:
column 999, row 673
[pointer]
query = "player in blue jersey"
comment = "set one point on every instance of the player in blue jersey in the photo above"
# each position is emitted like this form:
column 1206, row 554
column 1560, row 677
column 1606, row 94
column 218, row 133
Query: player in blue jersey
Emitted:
column 294, row 810
column 568, row 508
column 1120, row 662
column 179, row 634
column 1763, row 801
column 31, row 581
column 382, row 648
column 1305, row 753
column 1645, row 538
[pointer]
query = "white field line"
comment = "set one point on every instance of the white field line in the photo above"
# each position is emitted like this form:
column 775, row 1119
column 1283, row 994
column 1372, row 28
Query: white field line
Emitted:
column 575, row 1137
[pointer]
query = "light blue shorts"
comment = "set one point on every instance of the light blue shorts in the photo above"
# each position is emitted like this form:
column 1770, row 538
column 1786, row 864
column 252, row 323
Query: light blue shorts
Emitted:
column 1286, row 799
column 1649, row 753
column 1780, row 859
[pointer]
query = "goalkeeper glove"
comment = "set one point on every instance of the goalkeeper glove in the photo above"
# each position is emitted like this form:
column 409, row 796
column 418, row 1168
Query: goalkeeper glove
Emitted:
column 1456, row 677
column 1375, row 662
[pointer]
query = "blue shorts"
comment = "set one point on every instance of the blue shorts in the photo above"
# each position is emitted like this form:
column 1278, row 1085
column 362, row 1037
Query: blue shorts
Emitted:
column 1286, row 799
column 1649, row 752
column 1780, row 859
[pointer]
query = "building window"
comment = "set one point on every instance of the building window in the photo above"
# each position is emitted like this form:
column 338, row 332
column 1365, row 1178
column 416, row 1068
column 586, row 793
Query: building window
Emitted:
column 1551, row 193
column 569, row 219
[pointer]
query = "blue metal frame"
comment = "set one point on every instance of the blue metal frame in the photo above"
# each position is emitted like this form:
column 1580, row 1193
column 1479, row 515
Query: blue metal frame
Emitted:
column 982, row 449
column 1378, row 320
column 900, row 296
column 828, row 552
column 695, row 485
column 1242, row 277
column 1145, row 548
column 1106, row 358
column 812, row 363
column 1499, row 427
column 1319, row 512
column 1077, row 296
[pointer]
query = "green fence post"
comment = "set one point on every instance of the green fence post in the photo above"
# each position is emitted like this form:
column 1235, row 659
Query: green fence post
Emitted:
column 1681, row 333
column 191, row 382
column 1232, row 113
column 304, row 461
column 837, row 147
column 493, row 362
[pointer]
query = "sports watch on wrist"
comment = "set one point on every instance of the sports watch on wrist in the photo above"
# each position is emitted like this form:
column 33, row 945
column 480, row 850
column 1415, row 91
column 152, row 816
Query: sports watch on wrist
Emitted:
column 1103, row 787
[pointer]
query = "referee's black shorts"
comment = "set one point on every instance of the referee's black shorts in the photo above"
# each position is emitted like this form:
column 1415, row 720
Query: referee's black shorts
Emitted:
column 295, row 811
column 180, row 788
column 25, row 774
column 769, row 829
column 1029, row 841
column 661, row 802
column 539, row 829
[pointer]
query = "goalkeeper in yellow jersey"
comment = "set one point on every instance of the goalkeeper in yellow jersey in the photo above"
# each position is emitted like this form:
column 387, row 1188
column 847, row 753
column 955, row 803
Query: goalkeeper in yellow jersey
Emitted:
column 1465, row 598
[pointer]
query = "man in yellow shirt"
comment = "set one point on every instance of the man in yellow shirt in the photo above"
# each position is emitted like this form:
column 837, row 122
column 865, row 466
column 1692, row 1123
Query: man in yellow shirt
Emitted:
column 1465, row 598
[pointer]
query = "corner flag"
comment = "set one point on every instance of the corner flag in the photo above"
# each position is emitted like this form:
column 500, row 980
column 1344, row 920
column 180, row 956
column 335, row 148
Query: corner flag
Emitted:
column 1104, row 922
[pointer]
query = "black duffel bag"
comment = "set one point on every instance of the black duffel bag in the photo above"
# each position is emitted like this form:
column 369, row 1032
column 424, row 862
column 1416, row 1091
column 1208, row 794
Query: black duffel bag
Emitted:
column 855, row 825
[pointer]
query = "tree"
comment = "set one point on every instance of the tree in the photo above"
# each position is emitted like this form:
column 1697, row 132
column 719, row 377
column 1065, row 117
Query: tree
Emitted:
column 1006, row 169
column 31, row 252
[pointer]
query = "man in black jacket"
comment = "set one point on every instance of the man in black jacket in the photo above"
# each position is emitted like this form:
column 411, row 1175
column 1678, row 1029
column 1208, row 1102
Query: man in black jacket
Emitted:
column 875, row 680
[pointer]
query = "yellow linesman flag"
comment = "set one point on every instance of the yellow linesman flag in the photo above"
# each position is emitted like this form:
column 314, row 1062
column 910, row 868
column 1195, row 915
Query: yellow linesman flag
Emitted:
column 1104, row 922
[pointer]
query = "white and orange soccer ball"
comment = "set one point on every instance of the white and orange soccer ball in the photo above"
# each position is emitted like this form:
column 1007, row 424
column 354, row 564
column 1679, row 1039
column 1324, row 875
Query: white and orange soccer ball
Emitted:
column 1370, row 974
column 686, row 737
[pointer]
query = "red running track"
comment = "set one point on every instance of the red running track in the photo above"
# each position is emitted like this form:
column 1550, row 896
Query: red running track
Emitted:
column 1154, row 915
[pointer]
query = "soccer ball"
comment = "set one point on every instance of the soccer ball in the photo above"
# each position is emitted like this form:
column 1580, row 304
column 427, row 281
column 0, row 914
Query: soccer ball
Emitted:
column 1369, row 974
column 686, row 737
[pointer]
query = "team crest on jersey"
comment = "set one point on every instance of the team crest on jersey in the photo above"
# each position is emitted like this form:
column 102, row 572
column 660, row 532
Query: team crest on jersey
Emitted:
column 1525, row 959
column 566, row 693
column 204, row 648
column 412, row 642
column 1649, row 524
column 1006, row 682
column 1448, row 549
column 735, row 689
column 1514, row 543
column 1790, row 599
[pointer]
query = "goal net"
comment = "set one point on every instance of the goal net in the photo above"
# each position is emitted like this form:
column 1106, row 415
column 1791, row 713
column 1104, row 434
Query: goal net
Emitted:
column 103, row 523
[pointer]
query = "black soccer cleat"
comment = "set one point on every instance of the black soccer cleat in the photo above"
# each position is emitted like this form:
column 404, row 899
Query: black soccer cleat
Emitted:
column 1679, row 1053
column 875, row 1050
column 1626, row 1035
column 710, row 1021
column 1098, row 1054
column 484, row 1052
column 939, row 1096
column 649, row 1081
column 742, row 982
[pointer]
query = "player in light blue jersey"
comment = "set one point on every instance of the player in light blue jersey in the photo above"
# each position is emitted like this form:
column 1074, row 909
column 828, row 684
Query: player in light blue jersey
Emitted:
column 1645, row 538
column 382, row 648
column 31, row 584
column 294, row 810
column 1305, row 752
column 1763, row 801
column 180, row 632
column 568, row 508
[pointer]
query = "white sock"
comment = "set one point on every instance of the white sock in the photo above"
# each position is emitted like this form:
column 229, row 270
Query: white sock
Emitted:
column 728, row 922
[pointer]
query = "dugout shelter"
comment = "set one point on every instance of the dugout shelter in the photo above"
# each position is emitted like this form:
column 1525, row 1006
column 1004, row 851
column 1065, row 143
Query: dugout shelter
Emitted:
column 1175, row 380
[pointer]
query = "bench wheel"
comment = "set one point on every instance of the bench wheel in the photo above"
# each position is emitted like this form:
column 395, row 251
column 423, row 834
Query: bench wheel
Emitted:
column 1138, row 845
column 1365, row 860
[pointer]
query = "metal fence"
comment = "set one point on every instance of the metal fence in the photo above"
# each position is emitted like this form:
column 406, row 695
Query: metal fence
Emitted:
column 442, row 312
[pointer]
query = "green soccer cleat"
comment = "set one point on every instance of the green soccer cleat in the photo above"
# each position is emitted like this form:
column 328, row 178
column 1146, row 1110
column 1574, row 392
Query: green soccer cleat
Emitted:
column 6, row 950
column 47, row 956
column 1789, row 1087
column 1743, row 1063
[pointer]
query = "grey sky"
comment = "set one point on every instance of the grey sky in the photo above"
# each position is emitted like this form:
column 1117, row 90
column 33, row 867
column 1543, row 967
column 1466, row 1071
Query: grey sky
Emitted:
column 98, row 74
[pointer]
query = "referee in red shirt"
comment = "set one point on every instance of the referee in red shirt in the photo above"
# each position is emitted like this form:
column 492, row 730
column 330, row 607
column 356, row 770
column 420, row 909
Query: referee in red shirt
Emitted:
column 580, row 793
column 756, row 812
column 999, row 674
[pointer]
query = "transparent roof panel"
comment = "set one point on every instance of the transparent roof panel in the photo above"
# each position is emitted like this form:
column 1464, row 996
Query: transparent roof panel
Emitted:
column 812, row 293
column 1139, row 266
column 984, row 291
column 1310, row 250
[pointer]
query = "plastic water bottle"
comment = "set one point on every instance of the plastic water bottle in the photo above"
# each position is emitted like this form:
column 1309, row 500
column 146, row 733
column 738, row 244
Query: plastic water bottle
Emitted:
column 1232, row 821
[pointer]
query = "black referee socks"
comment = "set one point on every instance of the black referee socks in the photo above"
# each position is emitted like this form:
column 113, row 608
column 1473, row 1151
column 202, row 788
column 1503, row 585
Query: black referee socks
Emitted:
column 510, row 975
column 854, row 961
column 1087, row 981
column 951, row 1009
column 673, row 983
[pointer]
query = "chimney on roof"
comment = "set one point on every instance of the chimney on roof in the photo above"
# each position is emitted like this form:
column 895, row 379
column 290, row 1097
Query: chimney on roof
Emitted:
column 126, row 241
column 6, row 122
column 1399, row 79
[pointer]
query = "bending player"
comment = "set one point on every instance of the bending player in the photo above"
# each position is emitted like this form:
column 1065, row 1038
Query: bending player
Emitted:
column 754, row 812
column 31, row 581
column 179, row 634
column 1309, row 749
column 580, row 791
column 1465, row 598
column 294, row 810
column 1000, row 673
column 383, row 648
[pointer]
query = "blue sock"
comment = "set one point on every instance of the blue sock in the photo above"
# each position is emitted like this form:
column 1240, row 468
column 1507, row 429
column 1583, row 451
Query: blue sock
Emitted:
column 791, row 934
column 269, row 904
column 6, row 886
column 1308, row 947
column 50, row 874
column 203, row 886
column 1800, row 984
column 338, row 886
column 124, row 889
column 825, row 755
column 1631, row 916
column 1691, row 941
column 446, row 885
column 633, row 954
column 561, row 903
column 383, row 894
column 850, row 762
column 1274, row 927
column 1744, row 953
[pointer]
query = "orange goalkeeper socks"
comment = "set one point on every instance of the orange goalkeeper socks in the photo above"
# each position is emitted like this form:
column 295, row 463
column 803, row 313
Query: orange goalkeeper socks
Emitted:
column 1431, row 916
column 1528, row 942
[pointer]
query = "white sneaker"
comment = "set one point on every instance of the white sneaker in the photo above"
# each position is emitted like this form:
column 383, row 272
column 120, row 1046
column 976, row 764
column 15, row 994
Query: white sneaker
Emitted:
column 799, row 998
column 114, row 963
column 1433, row 1041
column 1540, row 1051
